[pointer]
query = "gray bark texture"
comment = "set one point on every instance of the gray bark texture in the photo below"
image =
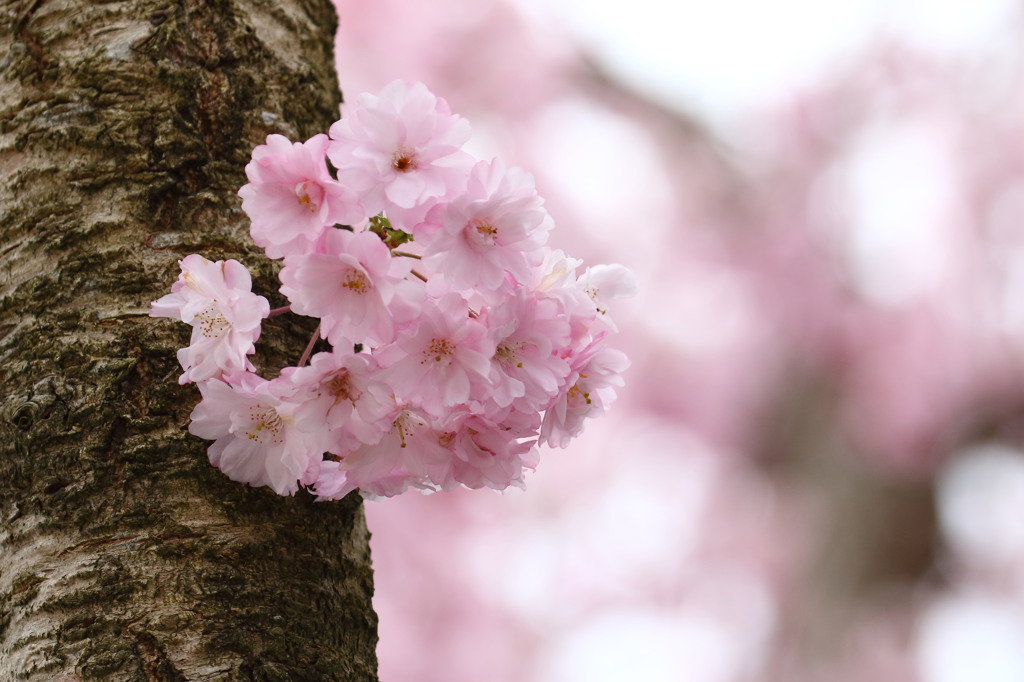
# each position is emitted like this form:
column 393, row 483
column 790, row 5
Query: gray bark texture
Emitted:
column 125, row 127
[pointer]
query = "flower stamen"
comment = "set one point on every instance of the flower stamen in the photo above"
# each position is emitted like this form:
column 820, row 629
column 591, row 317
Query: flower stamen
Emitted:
column 404, row 160
column 212, row 323
column 507, row 354
column 265, row 425
column 439, row 349
column 340, row 386
column 310, row 195
column 357, row 282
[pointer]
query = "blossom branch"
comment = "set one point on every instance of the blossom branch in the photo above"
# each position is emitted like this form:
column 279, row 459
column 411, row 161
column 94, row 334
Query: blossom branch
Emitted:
column 309, row 346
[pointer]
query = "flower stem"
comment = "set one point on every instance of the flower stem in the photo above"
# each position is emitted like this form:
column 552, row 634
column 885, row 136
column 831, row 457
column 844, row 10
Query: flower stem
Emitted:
column 309, row 346
column 280, row 311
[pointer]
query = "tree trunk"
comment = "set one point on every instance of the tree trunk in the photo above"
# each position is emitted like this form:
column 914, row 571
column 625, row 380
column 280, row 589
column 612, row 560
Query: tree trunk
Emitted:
column 124, row 130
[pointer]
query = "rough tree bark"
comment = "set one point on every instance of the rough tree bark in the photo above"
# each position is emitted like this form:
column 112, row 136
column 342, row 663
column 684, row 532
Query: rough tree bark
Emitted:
column 124, row 129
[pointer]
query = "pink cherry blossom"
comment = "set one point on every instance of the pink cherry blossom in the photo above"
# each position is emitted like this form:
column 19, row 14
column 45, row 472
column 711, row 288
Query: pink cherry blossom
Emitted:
column 217, row 300
column 556, row 279
column 400, row 148
column 291, row 196
column 527, row 368
column 606, row 282
column 556, row 271
column 388, row 467
column 342, row 393
column 587, row 393
column 453, row 326
column 437, row 365
column 484, row 453
column 256, row 438
column 349, row 285
column 496, row 226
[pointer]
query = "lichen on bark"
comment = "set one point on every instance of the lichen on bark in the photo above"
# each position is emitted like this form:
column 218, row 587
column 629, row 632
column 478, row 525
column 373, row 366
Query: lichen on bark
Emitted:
column 124, row 131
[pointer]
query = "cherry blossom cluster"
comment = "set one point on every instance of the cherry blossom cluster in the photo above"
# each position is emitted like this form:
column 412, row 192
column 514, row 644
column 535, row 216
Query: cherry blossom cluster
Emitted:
column 460, row 342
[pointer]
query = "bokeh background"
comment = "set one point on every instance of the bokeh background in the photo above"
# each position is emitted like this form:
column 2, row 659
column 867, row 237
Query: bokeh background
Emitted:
column 815, row 470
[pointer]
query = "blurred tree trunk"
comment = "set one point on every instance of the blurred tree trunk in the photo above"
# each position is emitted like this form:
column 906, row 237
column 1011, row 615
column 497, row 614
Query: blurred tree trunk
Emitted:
column 124, row 130
column 876, row 531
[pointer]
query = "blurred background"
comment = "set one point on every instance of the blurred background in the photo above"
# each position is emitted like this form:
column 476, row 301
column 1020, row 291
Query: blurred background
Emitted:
column 815, row 470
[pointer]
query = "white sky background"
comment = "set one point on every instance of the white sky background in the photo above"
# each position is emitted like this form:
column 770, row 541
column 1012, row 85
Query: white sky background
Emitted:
column 720, row 58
